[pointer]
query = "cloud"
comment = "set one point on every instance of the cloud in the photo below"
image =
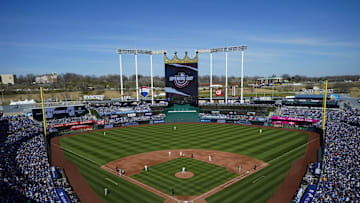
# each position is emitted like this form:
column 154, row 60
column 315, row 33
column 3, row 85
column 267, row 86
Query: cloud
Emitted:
column 306, row 41
column 107, row 48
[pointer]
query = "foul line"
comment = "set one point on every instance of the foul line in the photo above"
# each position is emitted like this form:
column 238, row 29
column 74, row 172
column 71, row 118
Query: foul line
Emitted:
column 108, row 179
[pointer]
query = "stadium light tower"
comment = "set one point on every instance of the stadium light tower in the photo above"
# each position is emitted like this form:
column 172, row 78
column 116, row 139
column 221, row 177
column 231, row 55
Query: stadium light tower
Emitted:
column 243, row 47
column 226, row 50
column 136, row 52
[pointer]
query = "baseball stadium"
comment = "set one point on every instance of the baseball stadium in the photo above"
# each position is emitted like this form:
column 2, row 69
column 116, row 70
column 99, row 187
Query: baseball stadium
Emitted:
column 179, row 148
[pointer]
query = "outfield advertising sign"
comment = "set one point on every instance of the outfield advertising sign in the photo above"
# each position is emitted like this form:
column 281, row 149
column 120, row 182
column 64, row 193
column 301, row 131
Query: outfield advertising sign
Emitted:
column 144, row 91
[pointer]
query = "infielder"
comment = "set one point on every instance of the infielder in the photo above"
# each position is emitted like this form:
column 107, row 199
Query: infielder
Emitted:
column 106, row 191
column 239, row 168
column 169, row 154
column 209, row 157
column 146, row 168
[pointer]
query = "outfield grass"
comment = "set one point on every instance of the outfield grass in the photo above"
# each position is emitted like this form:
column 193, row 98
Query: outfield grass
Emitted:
column 244, row 140
column 206, row 176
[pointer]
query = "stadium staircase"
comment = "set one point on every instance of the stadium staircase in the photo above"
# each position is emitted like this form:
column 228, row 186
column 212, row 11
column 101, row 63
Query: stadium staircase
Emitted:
column 182, row 113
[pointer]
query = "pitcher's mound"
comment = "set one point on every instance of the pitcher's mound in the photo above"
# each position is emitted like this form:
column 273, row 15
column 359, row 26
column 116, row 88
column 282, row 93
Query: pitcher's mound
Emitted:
column 185, row 175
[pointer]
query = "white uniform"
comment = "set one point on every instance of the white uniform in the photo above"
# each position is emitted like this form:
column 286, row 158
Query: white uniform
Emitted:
column 106, row 190
column 146, row 168
column 169, row 154
column 239, row 169
column 174, row 127
column 183, row 169
column 104, row 133
column 260, row 131
column 180, row 153
column 209, row 157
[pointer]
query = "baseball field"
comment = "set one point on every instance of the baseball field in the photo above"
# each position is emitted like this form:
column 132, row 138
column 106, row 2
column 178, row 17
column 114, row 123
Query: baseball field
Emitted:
column 272, row 151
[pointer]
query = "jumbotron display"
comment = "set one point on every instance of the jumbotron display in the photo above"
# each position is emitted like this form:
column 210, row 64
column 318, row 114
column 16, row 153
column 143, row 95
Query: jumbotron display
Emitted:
column 181, row 80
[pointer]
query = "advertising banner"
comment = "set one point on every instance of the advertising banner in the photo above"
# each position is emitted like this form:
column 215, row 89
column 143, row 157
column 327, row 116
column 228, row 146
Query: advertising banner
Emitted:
column 62, row 195
column 219, row 92
column 59, row 112
column 93, row 97
column 309, row 194
column 144, row 91
column 71, row 124
column 294, row 119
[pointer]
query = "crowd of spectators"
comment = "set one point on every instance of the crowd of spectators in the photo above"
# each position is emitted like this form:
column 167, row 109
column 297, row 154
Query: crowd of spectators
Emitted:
column 116, row 110
column 341, row 172
column 24, row 166
column 69, row 119
column 223, row 116
column 301, row 113
column 125, row 119
column 112, row 110
column 340, row 180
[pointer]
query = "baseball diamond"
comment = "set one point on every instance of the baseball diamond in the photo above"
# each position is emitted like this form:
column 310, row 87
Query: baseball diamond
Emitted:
column 93, row 153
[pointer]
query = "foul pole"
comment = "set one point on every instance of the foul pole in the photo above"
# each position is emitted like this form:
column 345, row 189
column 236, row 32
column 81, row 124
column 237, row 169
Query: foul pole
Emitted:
column 43, row 108
column 324, row 105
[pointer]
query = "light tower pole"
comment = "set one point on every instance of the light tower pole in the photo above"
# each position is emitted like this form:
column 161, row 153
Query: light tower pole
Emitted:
column 242, row 73
column 211, row 78
column 136, row 78
column 226, row 76
column 121, row 80
column 152, row 81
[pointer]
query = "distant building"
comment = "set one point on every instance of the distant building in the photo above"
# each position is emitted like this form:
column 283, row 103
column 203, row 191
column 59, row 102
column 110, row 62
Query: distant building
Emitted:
column 7, row 79
column 46, row 79
column 267, row 81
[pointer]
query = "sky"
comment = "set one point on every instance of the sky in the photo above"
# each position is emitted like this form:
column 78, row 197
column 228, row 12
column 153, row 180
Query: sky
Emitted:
column 311, row 38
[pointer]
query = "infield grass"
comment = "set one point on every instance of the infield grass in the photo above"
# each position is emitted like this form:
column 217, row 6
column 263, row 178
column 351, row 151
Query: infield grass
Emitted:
column 244, row 140
column 206, row 176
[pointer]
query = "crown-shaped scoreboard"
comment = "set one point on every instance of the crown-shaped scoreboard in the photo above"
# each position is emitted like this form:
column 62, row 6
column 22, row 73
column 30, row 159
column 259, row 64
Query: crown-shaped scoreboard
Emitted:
column 181, row 80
